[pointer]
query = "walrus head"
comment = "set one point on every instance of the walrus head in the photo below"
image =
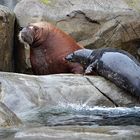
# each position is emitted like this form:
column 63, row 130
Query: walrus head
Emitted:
column 80, row 56
column 26, row 35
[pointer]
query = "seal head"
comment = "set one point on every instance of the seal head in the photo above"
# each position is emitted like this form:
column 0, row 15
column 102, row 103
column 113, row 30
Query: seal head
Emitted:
column 81, row 56
column 116, row 65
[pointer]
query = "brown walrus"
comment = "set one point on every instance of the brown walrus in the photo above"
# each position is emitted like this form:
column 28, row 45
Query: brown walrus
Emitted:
column 48, row 48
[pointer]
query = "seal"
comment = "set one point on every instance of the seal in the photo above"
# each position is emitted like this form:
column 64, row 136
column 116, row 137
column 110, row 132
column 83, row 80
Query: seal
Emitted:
column 116, row 65
column 48, row 48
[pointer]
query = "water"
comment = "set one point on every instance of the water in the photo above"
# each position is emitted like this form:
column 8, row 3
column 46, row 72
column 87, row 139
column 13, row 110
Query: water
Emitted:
column 73, row 114
column 63, row 121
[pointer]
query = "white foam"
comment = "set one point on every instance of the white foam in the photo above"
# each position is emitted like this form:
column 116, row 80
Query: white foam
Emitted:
column 79, row 107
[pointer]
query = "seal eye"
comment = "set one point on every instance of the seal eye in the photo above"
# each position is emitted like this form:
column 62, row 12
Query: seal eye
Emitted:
column 20, row 28
column 73, row 57
column 70, row 57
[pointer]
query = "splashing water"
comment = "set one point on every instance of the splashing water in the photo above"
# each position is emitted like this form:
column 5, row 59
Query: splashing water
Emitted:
column 76, row 114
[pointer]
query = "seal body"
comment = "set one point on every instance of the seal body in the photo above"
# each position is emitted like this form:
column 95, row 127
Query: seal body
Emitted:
column 48, row 48
column 116, row 65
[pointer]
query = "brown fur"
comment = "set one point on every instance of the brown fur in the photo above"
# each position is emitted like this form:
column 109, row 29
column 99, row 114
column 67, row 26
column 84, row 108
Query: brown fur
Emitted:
column 48, row 48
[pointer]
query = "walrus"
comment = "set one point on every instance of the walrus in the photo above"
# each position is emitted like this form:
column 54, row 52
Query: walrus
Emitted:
column 116, row 65
column 48, row 48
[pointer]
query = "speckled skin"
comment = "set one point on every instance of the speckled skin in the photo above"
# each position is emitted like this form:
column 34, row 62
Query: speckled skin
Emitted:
column 116, row 65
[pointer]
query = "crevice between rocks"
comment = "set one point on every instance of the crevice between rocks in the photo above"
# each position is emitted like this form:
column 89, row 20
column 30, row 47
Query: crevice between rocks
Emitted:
column 74, row 14
column 0, row 89
column 125, row 29
column 101, row 92
column 70, row 3
column 134, row 31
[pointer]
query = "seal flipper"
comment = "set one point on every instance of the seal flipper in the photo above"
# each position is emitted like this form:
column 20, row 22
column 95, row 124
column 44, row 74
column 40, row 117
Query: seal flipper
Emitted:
column 91, row 68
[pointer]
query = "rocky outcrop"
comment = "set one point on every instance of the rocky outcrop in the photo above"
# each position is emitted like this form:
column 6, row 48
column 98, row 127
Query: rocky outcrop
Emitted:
column 93, row 24
column 134, row 4
column 63, row 100
column 79, row 132
column 9, row 3
column 7, row 117
column 7, row 19
column 23, row 92
column 70, row 102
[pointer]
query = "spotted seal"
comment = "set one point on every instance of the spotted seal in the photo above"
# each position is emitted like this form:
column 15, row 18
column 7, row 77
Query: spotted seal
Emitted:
column 116, row 65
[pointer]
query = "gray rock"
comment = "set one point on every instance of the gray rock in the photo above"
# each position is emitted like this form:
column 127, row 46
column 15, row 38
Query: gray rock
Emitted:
column 7, row 19
column 134, row 4
column 25, row 92
column 9, row 3
column 92, row 23
column 33, row 97
column 7, row 117
column 35, row 10
column 80, row 133
column 78, row 18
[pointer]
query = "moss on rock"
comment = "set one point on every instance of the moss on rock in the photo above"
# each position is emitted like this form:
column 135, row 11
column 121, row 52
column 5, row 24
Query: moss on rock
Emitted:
column 45, row 1
column 135, row 4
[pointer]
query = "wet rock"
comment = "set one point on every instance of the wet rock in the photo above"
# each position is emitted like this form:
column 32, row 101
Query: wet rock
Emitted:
column 25, row 92
column 6, row 39
column 112, row 91
column 78, row 132
column 70, row 102
column 29, row 92
column 7, row 117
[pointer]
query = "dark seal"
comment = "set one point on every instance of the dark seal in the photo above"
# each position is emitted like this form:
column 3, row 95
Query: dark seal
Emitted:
column 116, row 65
